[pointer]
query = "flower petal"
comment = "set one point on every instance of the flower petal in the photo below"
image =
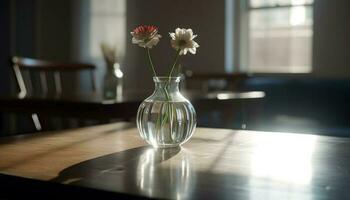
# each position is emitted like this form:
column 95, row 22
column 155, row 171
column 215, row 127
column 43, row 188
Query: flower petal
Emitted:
column 192, row 50
column 182, row 39
column 188, row 34
column 145, row 36
column 172, row 35
column 185, row 51
column 154, row 41
column 135, row 41
column 196, row 45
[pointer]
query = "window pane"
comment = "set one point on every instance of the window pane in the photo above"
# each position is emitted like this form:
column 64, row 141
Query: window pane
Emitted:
column 263, row 3
column 280, row 40
column 107, row 24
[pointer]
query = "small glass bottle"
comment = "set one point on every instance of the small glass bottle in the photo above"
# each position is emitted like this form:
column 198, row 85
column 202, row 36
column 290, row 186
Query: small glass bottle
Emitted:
column 113, row 83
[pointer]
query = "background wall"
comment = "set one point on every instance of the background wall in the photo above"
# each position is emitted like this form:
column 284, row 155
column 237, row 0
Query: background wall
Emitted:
column 54, row 29
column 5, row 38
column 206, row 18
column 59, row 30
column 331, row 45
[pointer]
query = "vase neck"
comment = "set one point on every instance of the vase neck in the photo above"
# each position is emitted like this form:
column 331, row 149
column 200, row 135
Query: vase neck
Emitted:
column 166, row 89
column 171, row 84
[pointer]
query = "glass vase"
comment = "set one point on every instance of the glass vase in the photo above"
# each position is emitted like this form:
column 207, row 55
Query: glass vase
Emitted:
column 166, row 118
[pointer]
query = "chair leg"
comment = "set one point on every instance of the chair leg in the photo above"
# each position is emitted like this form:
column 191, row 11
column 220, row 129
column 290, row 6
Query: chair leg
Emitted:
column 36, row 122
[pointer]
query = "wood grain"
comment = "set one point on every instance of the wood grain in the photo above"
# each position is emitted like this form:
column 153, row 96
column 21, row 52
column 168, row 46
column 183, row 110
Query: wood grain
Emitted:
column 44, row 155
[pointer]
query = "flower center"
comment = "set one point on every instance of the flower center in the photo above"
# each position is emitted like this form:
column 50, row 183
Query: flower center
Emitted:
column 182, row 43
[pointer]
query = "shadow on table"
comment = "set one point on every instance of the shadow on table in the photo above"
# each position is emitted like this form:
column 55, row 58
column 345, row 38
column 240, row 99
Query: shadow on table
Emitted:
column 130, row 171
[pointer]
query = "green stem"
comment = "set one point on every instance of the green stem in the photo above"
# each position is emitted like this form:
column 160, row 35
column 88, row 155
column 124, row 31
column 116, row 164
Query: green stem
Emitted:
column 168, row 114
column 171, row 72
column 175, row 61
column 150, row 62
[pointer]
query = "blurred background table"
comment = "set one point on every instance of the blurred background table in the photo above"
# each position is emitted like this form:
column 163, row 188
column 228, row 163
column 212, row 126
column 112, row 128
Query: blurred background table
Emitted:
column 93, row 106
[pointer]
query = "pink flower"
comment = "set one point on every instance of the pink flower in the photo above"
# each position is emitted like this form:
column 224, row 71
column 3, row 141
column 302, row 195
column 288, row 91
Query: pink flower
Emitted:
column 146, row 36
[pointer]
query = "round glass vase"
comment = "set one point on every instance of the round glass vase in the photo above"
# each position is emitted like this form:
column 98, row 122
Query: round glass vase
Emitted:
column 166, row 118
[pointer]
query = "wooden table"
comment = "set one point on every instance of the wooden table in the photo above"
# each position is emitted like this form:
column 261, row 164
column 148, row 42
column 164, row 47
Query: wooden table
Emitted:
column 111, row 161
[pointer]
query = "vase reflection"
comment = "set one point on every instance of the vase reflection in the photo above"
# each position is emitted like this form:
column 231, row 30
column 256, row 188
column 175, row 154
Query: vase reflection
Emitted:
column 161, row 172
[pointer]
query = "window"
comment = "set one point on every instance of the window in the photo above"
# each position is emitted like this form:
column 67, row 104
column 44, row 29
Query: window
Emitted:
column 108, row 22
column 97, row 21
column 279, row 36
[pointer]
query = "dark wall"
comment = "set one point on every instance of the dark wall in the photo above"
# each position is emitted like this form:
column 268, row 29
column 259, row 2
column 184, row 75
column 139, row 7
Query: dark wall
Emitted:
column 54, row 19
column 331, row 47
column 23, row 14
column 5, row 46
column 205, row 17
column 41, row 28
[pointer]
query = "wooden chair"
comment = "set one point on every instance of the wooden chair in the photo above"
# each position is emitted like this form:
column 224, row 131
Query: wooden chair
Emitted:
column 20, row 65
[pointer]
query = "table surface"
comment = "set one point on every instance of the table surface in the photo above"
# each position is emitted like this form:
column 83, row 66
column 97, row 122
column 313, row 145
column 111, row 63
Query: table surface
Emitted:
column 215, row 163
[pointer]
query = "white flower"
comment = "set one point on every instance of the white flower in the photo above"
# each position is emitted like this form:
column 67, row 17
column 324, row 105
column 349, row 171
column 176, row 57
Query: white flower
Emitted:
column 182, row 40
column 145, row 36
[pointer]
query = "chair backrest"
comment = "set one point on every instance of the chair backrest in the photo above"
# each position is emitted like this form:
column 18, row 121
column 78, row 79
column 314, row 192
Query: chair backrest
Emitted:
column 43, row 67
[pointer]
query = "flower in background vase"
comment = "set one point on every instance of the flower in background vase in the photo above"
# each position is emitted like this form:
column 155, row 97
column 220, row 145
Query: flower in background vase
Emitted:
column 146, row 36
column 110, row 54
column 182, row 41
